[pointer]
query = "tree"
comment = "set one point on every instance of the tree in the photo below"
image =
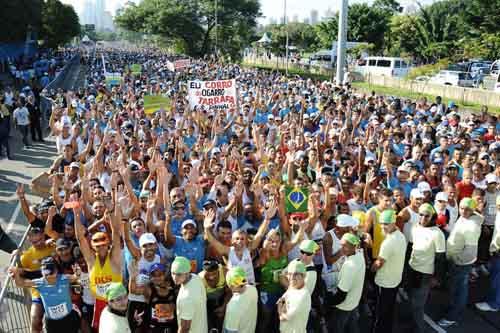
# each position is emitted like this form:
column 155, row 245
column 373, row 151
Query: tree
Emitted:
column 18, row 17
column 301, row 35
column 59, row 23
column 190, row 25
column 389, row 5
column 482, row 16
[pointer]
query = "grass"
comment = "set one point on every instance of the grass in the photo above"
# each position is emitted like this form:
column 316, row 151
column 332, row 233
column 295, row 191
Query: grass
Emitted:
column 389, row 91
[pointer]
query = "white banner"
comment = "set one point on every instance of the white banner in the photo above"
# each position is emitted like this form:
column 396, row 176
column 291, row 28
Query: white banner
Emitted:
column 178, row 64
column 212, row 95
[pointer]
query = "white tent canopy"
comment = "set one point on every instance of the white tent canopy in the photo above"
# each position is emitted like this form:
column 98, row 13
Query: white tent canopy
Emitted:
column 264, row 39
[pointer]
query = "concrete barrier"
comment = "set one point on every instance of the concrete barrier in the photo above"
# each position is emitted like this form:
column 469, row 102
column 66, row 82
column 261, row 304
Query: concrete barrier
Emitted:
column 458, row 94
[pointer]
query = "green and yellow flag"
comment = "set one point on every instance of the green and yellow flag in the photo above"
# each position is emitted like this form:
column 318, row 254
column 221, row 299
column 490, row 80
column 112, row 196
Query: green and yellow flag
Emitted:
column 296, row 199
column 136, row 69
column 153, row 103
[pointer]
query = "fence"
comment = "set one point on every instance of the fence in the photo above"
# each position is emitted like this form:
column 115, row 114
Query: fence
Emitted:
column 460, row 95
column 280, row 64
column 15, row 303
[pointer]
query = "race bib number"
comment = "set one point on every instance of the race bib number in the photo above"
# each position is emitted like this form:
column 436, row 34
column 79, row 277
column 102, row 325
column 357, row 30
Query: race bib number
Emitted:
column 101, row 289
column 163, row 312
column 58, row 311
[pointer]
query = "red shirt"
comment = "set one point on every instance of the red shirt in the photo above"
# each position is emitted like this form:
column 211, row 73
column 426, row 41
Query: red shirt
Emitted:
column 464, row 191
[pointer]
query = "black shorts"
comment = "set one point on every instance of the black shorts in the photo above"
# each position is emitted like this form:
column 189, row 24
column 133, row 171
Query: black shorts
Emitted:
column 70, row 323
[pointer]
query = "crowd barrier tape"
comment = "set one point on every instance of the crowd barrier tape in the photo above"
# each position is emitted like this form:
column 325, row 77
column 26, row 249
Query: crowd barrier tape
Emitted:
column 15, row 302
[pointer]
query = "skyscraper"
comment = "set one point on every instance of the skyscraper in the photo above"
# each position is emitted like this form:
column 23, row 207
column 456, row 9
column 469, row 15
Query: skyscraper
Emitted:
column 314, row 16
column 99, row 14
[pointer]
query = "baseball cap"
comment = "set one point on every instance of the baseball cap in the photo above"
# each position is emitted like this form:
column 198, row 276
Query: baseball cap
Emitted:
column 209, row 202
column 181, row 265
column 424, row 187
column 491, row 178
column 403, row 168
column 36, row 230
column 188, row 222
column 416, row 194
column 115, row 290
column 388, row 216
column 345, row 221
column 63, row 243
column 296, row 266
column 236, row 276
column 351, row 239
column 468, row 203
column 442, row 196
column 426, row 209
column 144, row 194
column 100, row 238
column 157, row 267
column 147, row 238
column 74, row 165
column 308, row 246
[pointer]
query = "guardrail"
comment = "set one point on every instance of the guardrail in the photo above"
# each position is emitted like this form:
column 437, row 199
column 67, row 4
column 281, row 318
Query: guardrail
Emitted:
column 15, row 302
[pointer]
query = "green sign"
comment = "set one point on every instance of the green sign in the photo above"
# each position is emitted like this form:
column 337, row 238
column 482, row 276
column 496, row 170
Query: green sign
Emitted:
column 136, row 69
column 153, row 103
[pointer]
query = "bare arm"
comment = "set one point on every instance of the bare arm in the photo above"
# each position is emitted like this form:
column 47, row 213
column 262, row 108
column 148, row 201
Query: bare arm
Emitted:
column 208, row 225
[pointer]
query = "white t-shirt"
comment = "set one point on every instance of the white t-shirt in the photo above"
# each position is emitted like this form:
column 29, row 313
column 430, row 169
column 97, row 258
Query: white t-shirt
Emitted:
column 112, row 323
column 393, row 251
column 351, row 280
column 465, row 233
column 495, row 241
column 426, row 243
column 298, row 306
column 62, row 142
column 241, row 311
column 192, row 305
column 22, row 116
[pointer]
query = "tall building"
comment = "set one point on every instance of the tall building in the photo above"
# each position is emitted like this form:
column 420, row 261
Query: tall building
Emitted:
column 88, row 13
column 314, row 17
column 107, row 21
column 295, row 18
column 99, row 14
column 306, row 20
column 328, row 14
column 273, row 20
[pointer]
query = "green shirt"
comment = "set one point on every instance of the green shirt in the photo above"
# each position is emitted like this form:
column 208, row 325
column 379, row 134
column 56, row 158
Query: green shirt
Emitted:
column 270, row 274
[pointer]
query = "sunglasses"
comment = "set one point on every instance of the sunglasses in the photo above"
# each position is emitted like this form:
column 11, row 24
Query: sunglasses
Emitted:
column 425, row 215
column 178, row 208
column 306, row 253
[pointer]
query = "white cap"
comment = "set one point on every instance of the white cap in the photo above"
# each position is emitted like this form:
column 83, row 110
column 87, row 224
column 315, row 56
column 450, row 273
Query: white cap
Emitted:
column 416, row 194
column 442, row 196
column 306, row 116
column 403, row 168
column 147, row 238
column 368, row 159
column 424, row 187
column 344, row 221
column 188, row 222
column 74, row 165
column 270, row 117
column 491, row 178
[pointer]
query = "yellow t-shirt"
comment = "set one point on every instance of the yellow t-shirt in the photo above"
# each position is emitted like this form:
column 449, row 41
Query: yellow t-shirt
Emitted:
column 100, row 278
column 31, row 260
column 378, row 234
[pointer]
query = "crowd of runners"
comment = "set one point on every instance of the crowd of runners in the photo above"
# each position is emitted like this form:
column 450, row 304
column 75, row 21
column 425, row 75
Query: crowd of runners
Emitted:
column 176, row 220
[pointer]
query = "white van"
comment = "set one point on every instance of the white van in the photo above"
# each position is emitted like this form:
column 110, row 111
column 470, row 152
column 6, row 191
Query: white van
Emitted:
column 384, row 66
column 453, row 78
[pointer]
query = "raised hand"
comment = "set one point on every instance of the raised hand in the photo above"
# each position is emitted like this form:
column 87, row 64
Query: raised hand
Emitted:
column 208, row 222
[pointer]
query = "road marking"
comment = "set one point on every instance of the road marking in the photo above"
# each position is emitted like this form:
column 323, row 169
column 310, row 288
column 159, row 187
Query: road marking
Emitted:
column 433, row 324
column 14, row 216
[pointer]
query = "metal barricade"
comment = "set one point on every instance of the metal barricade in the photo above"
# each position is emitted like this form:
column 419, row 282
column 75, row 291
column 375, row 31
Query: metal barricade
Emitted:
column 15, row 302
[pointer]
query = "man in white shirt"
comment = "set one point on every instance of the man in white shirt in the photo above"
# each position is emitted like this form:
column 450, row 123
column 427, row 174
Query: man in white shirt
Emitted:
column 351, row 280
column 191, row 300
column 241, row 311
column 389, row 271
column 295, row 304
column 21, row 116
column 462, row 246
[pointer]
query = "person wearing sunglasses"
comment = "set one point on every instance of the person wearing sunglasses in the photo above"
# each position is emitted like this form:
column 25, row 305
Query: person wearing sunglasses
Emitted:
column 426, row 263
column 114, row 315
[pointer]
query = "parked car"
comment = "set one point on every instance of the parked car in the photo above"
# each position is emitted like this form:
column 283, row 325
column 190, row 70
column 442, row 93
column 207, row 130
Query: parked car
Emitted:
column 453, row 78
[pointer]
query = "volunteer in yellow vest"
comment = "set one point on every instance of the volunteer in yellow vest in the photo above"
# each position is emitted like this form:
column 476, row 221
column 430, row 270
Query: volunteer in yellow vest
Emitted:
column 104, row 262
column 241, row 311
column 389, row 271
column 372, row 226
column 31, row 260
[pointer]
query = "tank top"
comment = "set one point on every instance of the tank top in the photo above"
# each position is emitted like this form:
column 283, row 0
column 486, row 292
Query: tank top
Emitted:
column 410, row 225
column 245, row 262
column 270, row 274
column 335, row 249
column 142, row 278
column 215, row 296
column 162, row 309
column 378, row 234
column 101, row 277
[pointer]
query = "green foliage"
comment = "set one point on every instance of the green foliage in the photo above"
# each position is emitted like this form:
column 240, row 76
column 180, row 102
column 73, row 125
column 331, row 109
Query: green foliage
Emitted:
column 190, row 25
column 428, row 70
column 59, row 23
column 18, row 17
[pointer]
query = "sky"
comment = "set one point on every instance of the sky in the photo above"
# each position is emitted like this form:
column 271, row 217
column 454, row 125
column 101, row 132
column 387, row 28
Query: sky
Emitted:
column 269, row 8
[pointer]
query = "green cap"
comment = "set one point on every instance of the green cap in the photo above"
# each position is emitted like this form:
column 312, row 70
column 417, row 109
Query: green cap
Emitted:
column 468, row 203
column 351, row 239
column 236, row 276
column 180, row 265
column 309, row 246
column 296, row 266
column 115, row 290
column 388, row 216
column 426, row 209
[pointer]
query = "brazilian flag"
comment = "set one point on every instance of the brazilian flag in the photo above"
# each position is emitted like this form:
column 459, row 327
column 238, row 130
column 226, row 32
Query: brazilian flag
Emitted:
column 296, row 199
column 136, row 69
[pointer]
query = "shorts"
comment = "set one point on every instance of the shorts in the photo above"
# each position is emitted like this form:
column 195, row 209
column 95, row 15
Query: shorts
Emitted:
column 98, row 308
column 70, row 323
column 87, row 311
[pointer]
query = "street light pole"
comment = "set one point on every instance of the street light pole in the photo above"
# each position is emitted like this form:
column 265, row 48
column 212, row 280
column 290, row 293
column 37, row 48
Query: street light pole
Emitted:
column 216, row 28
column 285, row 21
column 342, row 41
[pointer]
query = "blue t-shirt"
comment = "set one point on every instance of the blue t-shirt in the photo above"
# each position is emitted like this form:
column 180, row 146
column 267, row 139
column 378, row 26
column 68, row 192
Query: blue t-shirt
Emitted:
column 56, row 298
column 193, row 250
